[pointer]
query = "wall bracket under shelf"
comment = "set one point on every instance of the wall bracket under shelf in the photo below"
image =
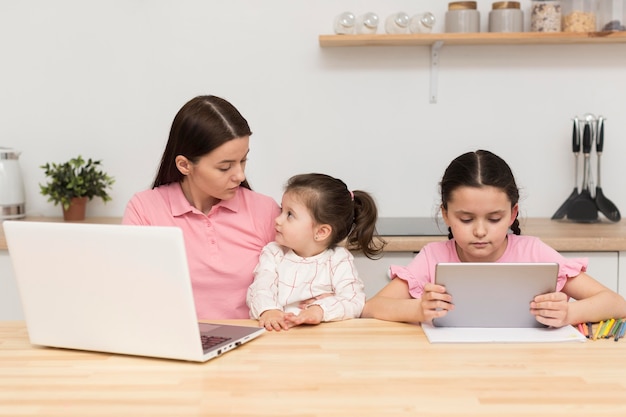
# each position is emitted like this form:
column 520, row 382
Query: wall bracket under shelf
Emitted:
column 435, row 48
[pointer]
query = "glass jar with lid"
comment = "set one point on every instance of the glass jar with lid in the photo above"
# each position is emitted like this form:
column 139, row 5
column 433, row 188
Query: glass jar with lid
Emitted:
column 545, row 16
column 345, row 23
column 578, row 16
column 422, row 22
column 397, row 23
column 611, row 15
column 462, row 16
column 506, row 16
column 367, row 23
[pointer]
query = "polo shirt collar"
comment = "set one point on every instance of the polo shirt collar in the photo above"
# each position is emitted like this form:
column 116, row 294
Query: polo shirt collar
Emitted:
column 179, row 204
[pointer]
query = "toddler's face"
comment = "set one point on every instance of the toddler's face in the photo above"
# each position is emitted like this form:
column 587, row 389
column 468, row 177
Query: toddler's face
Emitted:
column 295, row 227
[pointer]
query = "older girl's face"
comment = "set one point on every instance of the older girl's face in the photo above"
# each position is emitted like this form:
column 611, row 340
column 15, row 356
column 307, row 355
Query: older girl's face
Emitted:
column 216, row 175
column 480, row 219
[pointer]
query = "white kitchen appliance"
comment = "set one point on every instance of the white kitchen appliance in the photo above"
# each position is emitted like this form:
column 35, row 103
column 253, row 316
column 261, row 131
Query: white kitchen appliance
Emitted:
column 12, row 204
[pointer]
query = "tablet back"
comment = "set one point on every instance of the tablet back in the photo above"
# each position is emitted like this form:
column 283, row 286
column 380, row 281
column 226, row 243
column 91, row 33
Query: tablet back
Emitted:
column 494, row 294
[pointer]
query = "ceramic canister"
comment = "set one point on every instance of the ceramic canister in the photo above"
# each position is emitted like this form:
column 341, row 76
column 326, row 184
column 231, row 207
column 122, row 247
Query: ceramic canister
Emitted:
column 462, row 16
column 506, row 16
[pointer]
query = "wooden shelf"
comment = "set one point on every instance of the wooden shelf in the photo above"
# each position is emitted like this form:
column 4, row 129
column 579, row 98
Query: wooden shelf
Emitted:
column 523, row 38
column 437, row 40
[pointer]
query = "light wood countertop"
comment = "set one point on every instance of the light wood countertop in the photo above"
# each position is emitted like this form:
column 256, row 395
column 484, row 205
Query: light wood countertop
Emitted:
column 559, row 234
column 360, row 367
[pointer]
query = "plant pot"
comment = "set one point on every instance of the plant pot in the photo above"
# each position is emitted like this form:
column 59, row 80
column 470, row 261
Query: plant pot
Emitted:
column 77, row 209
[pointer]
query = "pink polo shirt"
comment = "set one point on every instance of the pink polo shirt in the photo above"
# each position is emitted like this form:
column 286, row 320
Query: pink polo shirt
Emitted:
column 222, row 247
column 421, row 270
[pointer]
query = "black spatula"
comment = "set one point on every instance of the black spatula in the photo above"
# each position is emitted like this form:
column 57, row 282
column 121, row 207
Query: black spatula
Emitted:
column 583, row 208
column 605, row 205
column 562, row 211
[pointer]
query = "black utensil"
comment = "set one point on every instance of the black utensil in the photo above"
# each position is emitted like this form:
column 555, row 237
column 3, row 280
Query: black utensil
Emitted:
column 562, row 211
column 605, row 205
column 583, row 208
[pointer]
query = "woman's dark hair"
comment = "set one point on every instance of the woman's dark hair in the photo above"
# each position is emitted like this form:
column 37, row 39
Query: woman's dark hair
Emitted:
column 479, row 169
column 203, row 124
column 352, row 215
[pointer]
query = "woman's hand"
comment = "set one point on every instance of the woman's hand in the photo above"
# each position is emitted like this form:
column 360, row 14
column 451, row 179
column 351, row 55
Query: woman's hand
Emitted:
column 436, row 302
column 273, row 320
column 550, row 309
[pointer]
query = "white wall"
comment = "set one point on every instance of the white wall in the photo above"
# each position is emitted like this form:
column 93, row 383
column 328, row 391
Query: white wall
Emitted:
column 105, row 78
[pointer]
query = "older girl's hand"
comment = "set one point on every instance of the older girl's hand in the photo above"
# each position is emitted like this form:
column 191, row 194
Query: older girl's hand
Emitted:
column 436, row 302
column 550, row 309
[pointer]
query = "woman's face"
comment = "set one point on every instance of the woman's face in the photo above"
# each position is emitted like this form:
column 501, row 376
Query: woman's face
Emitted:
column 218, row 174
column 479, row 219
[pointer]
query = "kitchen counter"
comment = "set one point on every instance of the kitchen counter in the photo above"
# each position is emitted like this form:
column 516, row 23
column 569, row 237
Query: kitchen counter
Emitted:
column 562, row 235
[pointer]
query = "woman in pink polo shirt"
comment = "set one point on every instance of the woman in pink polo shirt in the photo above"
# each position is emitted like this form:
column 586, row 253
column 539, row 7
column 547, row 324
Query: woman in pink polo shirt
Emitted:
column 201, row 188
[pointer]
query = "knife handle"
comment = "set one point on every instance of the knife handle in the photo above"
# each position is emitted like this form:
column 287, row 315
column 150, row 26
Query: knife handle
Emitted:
column 575, row 138
column 587, row 139
column 600, row 139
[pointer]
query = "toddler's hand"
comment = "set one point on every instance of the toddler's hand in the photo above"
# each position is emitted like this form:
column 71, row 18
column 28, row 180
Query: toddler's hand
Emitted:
column 312, row 315
column 273, row 320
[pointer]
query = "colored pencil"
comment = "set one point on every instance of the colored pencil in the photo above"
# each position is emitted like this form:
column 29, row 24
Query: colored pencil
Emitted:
column 615, row 328
column 607, row 328
column 595, row 334
column 619, row 330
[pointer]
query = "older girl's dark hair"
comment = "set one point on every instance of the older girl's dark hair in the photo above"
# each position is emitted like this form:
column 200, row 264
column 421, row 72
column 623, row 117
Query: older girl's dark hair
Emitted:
column 479, row 169
column 352, row 215
column 203, row 124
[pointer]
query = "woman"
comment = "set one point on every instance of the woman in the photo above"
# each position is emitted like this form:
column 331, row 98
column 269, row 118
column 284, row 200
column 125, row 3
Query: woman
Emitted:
column 201, row 188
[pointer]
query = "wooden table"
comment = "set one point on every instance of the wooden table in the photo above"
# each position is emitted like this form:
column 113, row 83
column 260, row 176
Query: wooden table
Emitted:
column 360, row 367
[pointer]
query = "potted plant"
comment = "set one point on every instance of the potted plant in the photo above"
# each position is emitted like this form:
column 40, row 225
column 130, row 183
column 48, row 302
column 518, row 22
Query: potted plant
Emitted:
column 73, row 183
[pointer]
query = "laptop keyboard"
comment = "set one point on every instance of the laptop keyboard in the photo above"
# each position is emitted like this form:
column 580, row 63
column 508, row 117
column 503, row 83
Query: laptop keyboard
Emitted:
column 210, row 341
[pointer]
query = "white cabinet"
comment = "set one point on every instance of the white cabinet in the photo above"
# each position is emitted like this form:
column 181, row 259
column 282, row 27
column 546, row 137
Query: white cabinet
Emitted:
column 10, row 306
column 374, row 273
column 603, row 266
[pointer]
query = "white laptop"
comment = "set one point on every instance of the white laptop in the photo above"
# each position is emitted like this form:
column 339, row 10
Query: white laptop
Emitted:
column 113, row 288
column 494, row 294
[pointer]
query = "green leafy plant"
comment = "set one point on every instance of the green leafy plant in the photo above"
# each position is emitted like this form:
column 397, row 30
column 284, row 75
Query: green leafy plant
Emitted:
column 75, row 178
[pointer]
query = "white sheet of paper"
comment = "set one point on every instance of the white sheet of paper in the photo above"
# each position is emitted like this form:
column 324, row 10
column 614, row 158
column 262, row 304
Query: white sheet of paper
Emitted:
column 501, row 335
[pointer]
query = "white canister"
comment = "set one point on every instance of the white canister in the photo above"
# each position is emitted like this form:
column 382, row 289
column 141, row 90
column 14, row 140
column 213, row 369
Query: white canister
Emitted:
column 506, row 16
column 462, row 17
column 12, row 205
